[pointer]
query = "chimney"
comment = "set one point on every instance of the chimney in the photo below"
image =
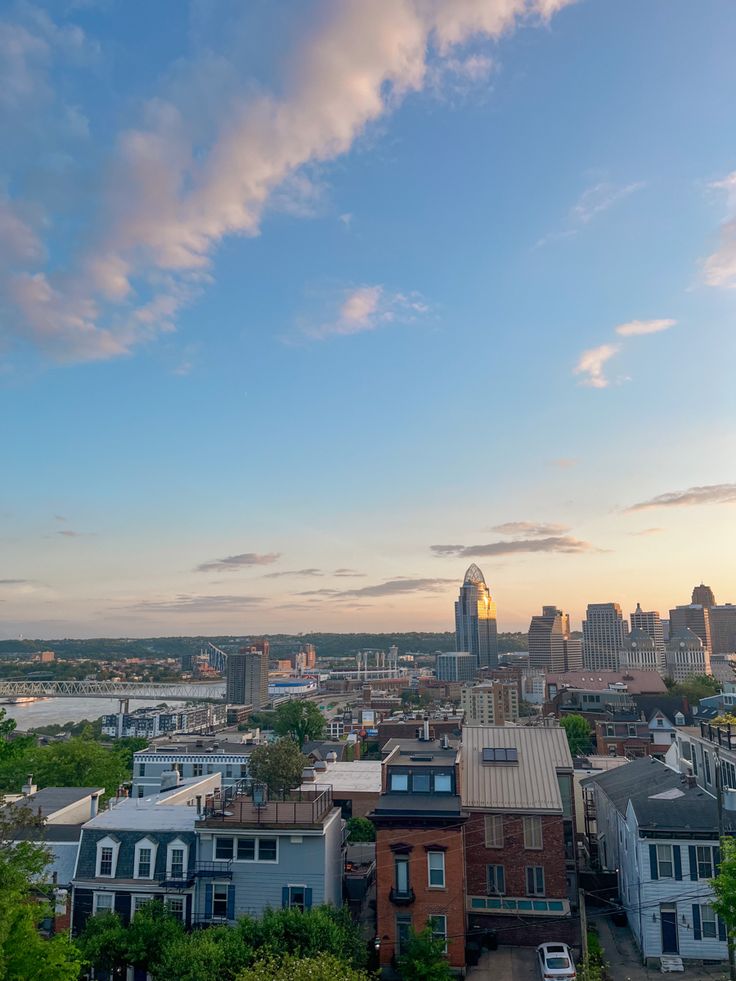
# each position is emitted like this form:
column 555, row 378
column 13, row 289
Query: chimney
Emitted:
column 445, row 742
column 425, row 734
column 199, row 805
column 29, row 786
column 308, row 774
column 170, row 779
column 691, row 781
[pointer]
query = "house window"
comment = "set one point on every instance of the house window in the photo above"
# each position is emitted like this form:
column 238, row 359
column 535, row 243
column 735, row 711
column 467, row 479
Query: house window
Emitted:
column 223, row 849
column 176, row 863
column 496, row 880
column 706, row 766
column 665, row 866
column 267, row 850
column 219, row 901
column 107, row 858
column 494, row 830
column 197, row 769
column 399, row 781
column 246, row 849
column 436, row 870
column 297, row 897
column 106, row 855
column 660, row 723
column 632, row 730
column 144, row 864
column 420, row 782
column 533, row 832
column 443, row 783
column 706, row 865
column 610, row 731
column 103, row 902
column 141, row 769
column 534, row 880
column 438, row 926
column 401, row 875
column 403, row 932
column 708, row 922
column 228, row 771
column 137, row 902
column 141, row 791
column 175, row 906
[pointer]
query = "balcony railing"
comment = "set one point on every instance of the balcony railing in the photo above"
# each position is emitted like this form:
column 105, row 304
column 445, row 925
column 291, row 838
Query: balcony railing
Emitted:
column 401, row 898
column 724, row 735
column 300, row 807
column 214, row 870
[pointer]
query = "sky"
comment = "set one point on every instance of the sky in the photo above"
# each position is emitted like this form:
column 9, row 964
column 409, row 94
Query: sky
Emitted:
column 304, row 307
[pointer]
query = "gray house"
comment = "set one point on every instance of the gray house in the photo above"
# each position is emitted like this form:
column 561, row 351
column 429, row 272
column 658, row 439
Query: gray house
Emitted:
column 191, row 757
column 255, row 853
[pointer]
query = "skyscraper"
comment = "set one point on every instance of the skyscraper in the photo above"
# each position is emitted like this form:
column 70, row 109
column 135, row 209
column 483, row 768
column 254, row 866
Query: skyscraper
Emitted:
column 640, row 653
column 476, row 630
column 695, row 617
column 604, row 632
column 723, row 628
column 546, row 638
column 686, row 655
column 247, row 678
column 651, row 623
column 703, row 595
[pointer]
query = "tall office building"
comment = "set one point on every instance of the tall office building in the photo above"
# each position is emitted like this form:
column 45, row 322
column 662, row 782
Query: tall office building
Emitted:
column 456, row 666
column 695, row 617
column 703, row 596
column 247, row 678
column 723, row 628
column 651, row 623
column 476, row 630
column 604, row 633
column 640, row 653
column 686, row 655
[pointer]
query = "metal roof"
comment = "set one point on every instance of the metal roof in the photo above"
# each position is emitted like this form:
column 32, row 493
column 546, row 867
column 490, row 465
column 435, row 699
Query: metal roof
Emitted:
column 48, row 801
column 528, row 785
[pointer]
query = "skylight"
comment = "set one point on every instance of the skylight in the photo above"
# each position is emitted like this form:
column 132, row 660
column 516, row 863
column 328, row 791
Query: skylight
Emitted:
column 498, row 755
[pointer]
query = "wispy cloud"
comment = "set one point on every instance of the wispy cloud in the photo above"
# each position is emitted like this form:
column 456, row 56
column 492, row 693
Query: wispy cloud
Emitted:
column 594, row 200
column 398, row 587
column 647, row 531
column 70, row 533
column 348, row 573
column 365, row 308
column 709, row 494
column 636, row 328
column 294, row 572
column 16, row 582
column 180, row 181
column 530, row 529
column 592, row 362
column 719, row 268
column 188, row 603
column 557, row 543
column 232, row 563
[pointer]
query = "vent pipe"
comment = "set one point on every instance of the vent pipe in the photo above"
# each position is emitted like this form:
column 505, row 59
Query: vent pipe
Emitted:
column 426, row 731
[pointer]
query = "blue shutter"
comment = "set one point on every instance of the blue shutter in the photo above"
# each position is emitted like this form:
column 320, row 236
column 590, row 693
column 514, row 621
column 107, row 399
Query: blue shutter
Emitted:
column 308, row 898
column 678, row 861
column 693, row 855
column 208, row 901
column 285, row 897
column 231, row 902
column 501, row 879
column 721, row 929
column 697, row 932
column 653, row 862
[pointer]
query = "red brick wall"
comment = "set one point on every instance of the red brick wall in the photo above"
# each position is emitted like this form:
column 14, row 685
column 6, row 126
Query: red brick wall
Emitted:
column 449, row 901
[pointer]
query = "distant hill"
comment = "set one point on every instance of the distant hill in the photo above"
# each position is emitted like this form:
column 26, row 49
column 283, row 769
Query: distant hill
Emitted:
column 327, row 644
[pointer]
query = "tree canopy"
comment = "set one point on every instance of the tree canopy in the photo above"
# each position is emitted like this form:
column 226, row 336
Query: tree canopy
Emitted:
column 694, row 688
column 300, row 720
column 724, row 884
column 278, row 765
column 578, row 732
column 424, row 958
column 321, row 967
column 361, row 829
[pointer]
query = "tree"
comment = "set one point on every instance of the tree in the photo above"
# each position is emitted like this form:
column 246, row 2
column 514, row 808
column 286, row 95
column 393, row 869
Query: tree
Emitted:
column 724, row 884
column 321, row 967
column 694, row 688
column 279, row 766
column 323, row 930
column 103, row 944
column 424, row 958
column 578, row 734
column 78, row 763
column 216, row 954
column 300, row 720
column 153, row 927
column 361, row 829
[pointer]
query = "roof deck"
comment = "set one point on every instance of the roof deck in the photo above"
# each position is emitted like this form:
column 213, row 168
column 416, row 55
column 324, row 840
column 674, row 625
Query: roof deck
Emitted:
column 723, row 735
column 299, row 808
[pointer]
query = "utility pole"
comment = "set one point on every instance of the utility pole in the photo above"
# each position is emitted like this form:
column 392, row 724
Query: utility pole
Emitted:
column 583, row 926
column 721, row 831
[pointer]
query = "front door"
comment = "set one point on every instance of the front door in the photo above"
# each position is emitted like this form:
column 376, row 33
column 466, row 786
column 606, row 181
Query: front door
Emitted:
column 668, row 916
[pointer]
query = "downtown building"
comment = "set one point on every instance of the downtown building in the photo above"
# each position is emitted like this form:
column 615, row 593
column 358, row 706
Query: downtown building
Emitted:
column 651, row 623
column 246, row 679
column 456, row 666
column 604, row 632
column 695, row 617
column 476, row 629
column 551, row 645
column 686, row 655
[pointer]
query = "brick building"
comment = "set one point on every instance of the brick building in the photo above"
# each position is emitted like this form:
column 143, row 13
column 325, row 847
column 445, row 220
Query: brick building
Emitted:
column 419, row 848
column 628, row 737
column 521, row 870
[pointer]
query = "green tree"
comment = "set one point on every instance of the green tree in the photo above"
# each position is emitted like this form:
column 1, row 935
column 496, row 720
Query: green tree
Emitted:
column 78, row 763
column 103, row 944
column 151, row 930
column 216, row 954
column 578, row 733
column 321, row 967
column 300, row 720
column 724, row 885
column 324, row 929
column 694, row 688
column 424, row 958
column 279, row 766
column 361, row 829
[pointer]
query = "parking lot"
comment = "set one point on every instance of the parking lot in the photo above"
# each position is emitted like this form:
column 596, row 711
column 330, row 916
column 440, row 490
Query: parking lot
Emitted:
column 506, row 964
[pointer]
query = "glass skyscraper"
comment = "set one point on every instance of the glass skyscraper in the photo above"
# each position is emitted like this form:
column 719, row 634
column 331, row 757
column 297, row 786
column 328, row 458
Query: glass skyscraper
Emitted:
column 476, row 630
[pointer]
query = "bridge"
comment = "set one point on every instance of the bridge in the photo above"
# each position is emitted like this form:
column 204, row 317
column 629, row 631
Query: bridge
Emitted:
column 122, row 690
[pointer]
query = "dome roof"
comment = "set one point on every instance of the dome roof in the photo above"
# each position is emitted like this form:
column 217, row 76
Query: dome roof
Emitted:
column 474, row 575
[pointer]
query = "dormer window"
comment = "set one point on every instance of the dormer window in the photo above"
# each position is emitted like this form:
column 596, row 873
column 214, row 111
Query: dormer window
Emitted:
column 107, row 858
column 145, row 858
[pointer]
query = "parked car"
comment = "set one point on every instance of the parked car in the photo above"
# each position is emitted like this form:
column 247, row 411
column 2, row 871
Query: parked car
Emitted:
column 555, row 962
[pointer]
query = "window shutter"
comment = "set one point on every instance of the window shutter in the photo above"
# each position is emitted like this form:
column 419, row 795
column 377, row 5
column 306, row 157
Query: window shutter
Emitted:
column 721, row 929
column 653, row 862
column 501, row 879
column 308, row 898
column 208, row 901
column 693, row 855
column 697, row 932
column 716, row 859
column 285, row 897
column 231, row 902
column 678, row 861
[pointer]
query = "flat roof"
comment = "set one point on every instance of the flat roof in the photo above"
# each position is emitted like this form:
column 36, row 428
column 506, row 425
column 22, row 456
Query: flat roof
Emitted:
column 361, row 776
column 49, row 800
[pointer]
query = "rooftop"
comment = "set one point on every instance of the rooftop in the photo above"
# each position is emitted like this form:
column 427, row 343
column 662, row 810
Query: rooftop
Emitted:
column 166, row 811
column 527, row 783
column 637, row 682
column 224, row 744
column 50, row 800
column 300, row 808
column 362, row 776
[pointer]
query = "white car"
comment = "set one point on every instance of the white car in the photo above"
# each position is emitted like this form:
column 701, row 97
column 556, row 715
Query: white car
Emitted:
column 556, row 963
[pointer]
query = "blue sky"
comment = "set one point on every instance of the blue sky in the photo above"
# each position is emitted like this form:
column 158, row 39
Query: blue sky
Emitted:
column 290, row 294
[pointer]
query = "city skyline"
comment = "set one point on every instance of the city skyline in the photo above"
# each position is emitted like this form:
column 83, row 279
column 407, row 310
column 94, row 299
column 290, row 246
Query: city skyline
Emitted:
column 296, row 298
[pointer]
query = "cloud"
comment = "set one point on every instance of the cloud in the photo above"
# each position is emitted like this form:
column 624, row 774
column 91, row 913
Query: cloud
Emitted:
column 346, row 219
column 710, row 494
column 294, row 572
column 530, row 529
column 647, row 531
column 182, row 180
column 557, row 543
column 59, row 517
column 396, row 587
column 366, row 308
column 348, row 573
column 594, row 200
column 563, row 462
column 232, row 563
column 592, row 362
column 636, row 328
column 69, row 533
column 187, row 603
column 719, row 268
column 16, row 582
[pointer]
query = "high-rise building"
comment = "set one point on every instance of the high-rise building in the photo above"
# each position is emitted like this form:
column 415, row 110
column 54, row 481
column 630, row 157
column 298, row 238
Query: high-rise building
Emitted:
column 651, row 623
column 490, row 703
column 703, row 596
column 640, row 653
column 723, row 628
column 551, row 645
column 247, row 678
column 456, row 666
column 476, row 630
column 686, row 655
column 695, row 617
column 574, row 651
column 604, row 632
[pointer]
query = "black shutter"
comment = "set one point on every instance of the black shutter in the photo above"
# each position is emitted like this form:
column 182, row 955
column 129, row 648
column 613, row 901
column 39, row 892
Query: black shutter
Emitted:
column 678, row 861
column 693, row 862
column 697, row 932
column 653, row 862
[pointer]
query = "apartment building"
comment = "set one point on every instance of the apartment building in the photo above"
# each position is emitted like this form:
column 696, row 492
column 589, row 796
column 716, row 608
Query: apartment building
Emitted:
column 490, row 703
